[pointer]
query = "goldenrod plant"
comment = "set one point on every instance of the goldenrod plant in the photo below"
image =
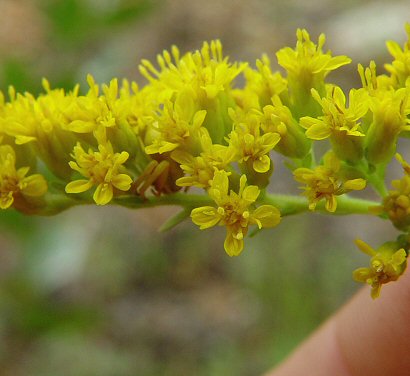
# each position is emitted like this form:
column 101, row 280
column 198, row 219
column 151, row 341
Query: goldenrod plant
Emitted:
column 191, row 137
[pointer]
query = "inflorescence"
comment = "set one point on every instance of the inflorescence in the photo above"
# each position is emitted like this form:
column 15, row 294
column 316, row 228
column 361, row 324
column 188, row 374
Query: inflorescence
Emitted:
column 191, row 137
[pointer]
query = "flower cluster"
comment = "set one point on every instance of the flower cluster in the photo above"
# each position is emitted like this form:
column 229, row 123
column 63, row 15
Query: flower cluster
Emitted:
column 191, row 128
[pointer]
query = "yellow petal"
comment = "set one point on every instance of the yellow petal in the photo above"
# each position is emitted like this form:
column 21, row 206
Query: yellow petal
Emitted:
column 103, row 194
column 337, row 61
column 339, row 97
column 361, row 275
column 318, row 131
column 205, row 217
column 6, row 200
column 261, row 164
column 34, row 185
column 233, row 246
column 250, row 193
column 365, row 248
column 331, row 204
column 182, row 157
column 375, row 293
column 122, row 157
column 266, row 216
column 399, row 257
column 78, row 186
column 220, row 182
column 199, row 118
column 122, row 182
column 81, row 126
column 354, row 184
column 184, row 105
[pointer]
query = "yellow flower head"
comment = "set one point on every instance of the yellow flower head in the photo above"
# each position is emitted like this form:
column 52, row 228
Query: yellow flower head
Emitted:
column 249, row 144
column 387, row 264
column 205, row 72
column 177, row 126
column 234, row 210
column 278, row 118
column 206, row 75
column 326, row 182
column 263, row 82
column 93, row 111
column 200, row 169
column 27, row 118
column 397, row 202
column 390, row 117
column 339, row 122
column 102, row 168
column 307, row 60
column 373, row 83
column 400, row 67
column 14, row 183
column 336, row 116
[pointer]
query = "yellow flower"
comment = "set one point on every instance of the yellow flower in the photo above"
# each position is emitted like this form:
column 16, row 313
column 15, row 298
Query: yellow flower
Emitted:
column 336, row 117
column 307, row 66
column 27, row 118
column 341, row 124
column 390, row 117
column 387, row 264
column 234, row 210
column 397, row 202
column 102, row 168
column 263, row 82
column 92, row 111
column 250, row 145
column 177, row 126
column 15, row 183
column 308, row 59
column 200, row 169
column 400, row 67
column 373, row 83
column 326, row 182
column 205, row 72
column 206, row 75
column 40, row 121
column 278, row 118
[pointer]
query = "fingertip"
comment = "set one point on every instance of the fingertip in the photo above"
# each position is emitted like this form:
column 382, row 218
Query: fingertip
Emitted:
column 366, row 337
column 374, row 335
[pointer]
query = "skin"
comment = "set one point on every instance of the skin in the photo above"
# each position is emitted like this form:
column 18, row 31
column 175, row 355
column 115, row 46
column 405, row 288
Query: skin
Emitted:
column 366, row 337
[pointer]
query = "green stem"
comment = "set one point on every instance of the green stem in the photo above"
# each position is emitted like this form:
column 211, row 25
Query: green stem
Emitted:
column 289, row 205
column 175, row 199
column 378, row 184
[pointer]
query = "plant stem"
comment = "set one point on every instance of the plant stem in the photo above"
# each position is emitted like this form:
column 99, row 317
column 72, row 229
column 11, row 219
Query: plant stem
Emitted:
column 289, row 205
column 176, row 199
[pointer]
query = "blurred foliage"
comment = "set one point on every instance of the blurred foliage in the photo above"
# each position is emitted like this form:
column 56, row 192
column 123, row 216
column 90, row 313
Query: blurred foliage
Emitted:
column 75, row 22
column 74, row 28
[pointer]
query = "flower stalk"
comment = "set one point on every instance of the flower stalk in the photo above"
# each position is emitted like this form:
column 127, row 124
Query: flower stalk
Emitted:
column 192, row 128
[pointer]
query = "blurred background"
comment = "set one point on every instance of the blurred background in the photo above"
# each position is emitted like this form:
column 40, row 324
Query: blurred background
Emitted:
column 98, row 291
